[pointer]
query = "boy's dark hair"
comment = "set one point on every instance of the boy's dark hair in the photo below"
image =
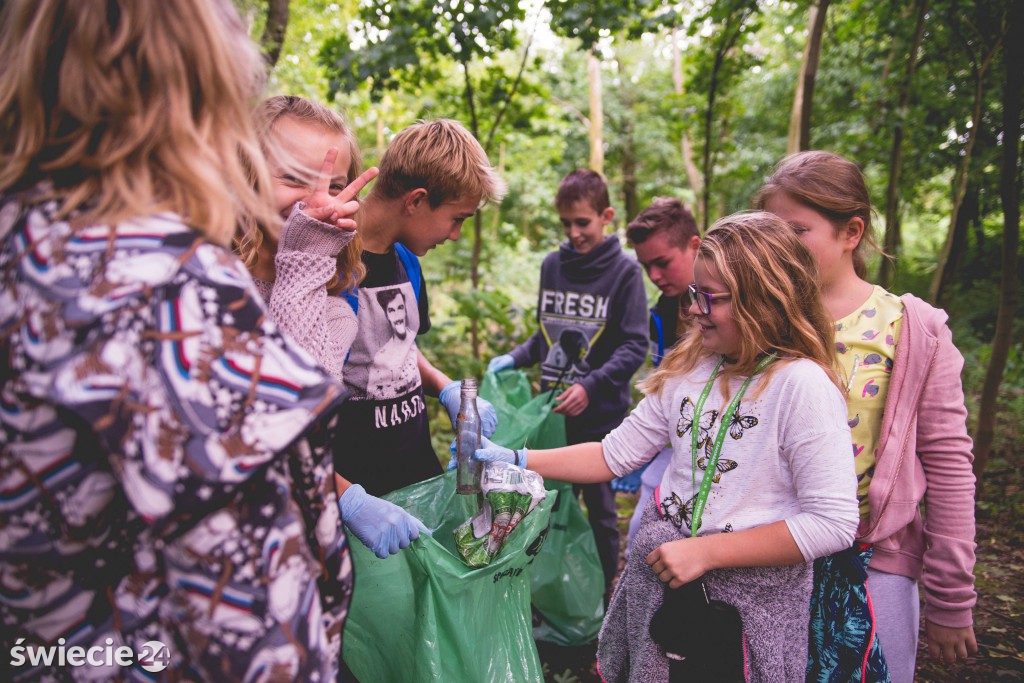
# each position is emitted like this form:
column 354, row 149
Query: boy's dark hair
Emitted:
column 667, row 215
column 385, row 296
column 583, row 184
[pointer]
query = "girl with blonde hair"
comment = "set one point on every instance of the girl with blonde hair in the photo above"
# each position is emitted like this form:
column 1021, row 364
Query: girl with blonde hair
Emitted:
column 760, row 482
column 302, row 265
column 164, row 446
column 905, row 403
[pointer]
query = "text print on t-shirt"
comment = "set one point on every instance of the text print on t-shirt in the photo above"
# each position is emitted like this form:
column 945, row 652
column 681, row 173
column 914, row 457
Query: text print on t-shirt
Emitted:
column 400, row 411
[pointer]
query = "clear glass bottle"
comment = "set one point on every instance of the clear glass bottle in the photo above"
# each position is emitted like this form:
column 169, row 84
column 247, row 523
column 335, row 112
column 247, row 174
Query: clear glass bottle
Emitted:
column 467, row 440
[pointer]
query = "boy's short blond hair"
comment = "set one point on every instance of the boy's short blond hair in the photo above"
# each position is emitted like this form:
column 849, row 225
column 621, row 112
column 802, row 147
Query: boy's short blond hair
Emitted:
column 443, row 158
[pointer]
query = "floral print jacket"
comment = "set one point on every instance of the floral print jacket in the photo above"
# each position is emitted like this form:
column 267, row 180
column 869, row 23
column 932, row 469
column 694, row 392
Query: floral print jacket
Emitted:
column 164, row 469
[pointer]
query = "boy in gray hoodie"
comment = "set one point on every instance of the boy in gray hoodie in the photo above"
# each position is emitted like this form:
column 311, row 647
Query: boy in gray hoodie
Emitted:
column 591, row 337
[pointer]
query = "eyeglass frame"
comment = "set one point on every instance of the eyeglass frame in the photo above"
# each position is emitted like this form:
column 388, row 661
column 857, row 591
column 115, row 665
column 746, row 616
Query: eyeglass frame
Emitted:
column 704, row 299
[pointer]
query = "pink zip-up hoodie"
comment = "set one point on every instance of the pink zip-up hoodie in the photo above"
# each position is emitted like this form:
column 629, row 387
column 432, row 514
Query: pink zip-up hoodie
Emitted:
column 924, row 453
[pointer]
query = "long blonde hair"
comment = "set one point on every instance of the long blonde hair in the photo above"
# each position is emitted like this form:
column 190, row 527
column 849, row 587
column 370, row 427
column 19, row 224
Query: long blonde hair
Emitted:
column 130, row 107
column 269, row 112
column 775, row 300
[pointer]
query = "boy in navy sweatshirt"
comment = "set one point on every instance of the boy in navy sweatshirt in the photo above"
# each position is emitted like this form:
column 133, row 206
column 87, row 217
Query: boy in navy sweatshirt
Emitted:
column 592, row 335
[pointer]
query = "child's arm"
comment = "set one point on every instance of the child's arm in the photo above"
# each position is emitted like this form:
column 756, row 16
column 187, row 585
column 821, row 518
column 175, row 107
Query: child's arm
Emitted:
column 580, row 464
column 945, row 454
column 682, row 561
column 433, row 379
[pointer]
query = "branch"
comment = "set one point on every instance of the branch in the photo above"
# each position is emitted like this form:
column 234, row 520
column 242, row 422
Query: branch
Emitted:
column 515, row 86
column 274, row 30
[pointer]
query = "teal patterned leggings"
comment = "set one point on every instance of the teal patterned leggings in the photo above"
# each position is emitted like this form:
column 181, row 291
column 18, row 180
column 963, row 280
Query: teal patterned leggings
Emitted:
column 843, row 645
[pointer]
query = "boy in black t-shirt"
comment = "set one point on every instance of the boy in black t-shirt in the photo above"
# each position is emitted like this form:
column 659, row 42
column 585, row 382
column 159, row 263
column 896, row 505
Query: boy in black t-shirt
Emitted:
column 432, row 178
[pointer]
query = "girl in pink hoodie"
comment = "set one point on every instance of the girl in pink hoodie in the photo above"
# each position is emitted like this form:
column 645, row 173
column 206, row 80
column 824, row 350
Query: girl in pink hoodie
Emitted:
column 910, row 442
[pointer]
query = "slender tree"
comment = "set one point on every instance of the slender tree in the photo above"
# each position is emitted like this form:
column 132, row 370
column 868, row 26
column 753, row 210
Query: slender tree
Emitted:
column 693, row 175
column 981, row 51
column 800, row 118
column 274, row 30
column 1009, row 193
column 886, row 271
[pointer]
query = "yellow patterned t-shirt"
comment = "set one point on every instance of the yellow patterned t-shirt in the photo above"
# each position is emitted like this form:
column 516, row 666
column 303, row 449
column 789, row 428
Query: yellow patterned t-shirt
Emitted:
column 866, row 345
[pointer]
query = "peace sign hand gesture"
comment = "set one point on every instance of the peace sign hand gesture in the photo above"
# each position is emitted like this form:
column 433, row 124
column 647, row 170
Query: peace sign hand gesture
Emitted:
column 336, row 209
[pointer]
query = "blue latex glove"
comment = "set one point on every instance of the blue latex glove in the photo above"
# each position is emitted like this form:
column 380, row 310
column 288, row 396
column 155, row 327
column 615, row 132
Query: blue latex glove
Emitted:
column 383, row 527
column 502, row 362
column 451, row 397
column 629, row 483
column 492, row 452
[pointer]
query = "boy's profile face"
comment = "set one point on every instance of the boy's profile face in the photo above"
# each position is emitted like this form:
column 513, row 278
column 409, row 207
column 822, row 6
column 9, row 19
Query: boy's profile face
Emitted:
column 431, row 227
column 583, row 225
column 668, row 266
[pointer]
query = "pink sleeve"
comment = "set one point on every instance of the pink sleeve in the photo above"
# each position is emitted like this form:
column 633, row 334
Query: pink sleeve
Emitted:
column 299, row 303
column 944, row 449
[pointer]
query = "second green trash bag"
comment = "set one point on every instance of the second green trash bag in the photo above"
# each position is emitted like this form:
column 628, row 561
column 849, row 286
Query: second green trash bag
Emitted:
column 566, row 579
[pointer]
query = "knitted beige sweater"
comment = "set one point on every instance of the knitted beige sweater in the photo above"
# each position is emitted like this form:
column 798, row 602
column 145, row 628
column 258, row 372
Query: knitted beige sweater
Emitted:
column 298, row 301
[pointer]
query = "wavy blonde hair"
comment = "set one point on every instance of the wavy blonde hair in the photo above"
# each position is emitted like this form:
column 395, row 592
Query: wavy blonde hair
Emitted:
column 130, row 107
column 350, row 271
column 775, row 300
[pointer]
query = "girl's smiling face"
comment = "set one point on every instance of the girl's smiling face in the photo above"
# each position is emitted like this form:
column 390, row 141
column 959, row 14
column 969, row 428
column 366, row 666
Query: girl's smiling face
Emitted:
column 719, row 330
column 303, row 147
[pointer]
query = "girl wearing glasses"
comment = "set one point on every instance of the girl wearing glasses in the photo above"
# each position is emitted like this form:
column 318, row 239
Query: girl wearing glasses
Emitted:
column 760, row 482
column 906, row 410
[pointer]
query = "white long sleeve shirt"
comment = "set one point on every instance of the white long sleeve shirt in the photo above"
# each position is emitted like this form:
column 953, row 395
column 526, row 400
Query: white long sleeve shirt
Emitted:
column 786, row 455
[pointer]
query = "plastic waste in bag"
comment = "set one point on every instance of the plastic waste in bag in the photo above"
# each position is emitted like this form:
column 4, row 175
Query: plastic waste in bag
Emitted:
column 423, row 615
column 510, row 493
column 566, row 580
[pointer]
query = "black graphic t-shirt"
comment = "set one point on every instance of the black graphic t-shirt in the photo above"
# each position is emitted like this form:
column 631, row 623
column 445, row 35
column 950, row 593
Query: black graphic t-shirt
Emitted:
column 384, row 439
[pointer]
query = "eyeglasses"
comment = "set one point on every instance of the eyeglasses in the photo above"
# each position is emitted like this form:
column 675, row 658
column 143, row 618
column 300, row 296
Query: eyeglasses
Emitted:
column 704, row 299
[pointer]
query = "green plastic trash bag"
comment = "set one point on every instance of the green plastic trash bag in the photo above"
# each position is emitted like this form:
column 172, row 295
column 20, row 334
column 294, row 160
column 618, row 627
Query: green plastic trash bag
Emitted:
column 423, row 615
column 566, row 580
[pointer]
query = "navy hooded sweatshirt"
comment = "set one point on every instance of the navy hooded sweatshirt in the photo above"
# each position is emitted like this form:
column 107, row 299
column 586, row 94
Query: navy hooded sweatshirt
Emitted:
column 592, row 315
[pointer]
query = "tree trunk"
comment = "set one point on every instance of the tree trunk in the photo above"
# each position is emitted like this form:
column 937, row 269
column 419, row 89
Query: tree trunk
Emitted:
column 630, row 201
column 728, row 40
column 800, row 118
column 596, row 114
column 274, row 30
column 941, row 277
column 686, row 146
column 968, row 213
column 886, row 270
column 1009, row 192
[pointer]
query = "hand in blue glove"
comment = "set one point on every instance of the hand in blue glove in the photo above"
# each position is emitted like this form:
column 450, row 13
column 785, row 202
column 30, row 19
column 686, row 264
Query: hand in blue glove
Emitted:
column 383, row 527
column 502, row 362
column 492, row 452
column 451, row 397
column 629, row 483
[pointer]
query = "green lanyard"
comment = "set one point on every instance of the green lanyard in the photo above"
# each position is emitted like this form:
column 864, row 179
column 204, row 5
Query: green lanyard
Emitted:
column 716, row 448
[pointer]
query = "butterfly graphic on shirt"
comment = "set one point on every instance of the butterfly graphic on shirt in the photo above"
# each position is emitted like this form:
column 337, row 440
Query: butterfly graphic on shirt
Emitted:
column 678, row 512
column 721, row 467
column 704, row 425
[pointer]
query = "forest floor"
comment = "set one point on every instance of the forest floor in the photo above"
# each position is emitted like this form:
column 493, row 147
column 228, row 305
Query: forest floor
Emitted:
column 998, row 616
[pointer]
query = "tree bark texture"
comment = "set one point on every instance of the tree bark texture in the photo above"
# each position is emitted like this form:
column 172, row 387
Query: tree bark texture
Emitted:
column 1009, row 192
column 596, row 114
column 274, row 30
column 693, row 176
column 979, row 67
column 800, row 118
column 886, row 270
